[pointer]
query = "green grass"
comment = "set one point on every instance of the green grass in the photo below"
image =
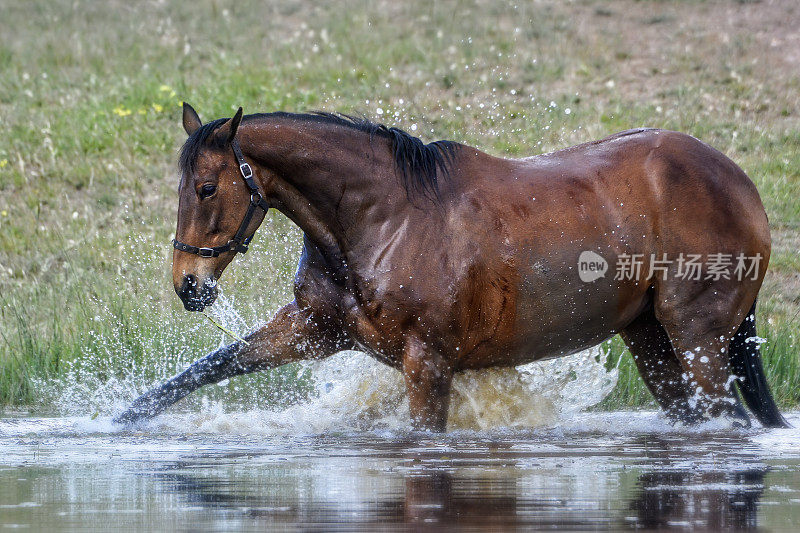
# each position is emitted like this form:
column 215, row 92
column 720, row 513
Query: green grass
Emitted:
column 89, row 96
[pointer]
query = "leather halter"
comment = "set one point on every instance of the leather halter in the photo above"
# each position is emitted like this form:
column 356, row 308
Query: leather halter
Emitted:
column 239, row 243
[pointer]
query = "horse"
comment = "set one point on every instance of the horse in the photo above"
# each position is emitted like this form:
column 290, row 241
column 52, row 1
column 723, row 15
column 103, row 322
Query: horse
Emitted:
column 438, row 258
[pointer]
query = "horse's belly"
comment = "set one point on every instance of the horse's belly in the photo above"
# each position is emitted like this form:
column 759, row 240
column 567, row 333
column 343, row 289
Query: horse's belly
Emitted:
column 570, row 304
column 558, row 313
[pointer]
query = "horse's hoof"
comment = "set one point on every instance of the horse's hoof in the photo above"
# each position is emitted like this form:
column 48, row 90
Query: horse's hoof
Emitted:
column 737, row 421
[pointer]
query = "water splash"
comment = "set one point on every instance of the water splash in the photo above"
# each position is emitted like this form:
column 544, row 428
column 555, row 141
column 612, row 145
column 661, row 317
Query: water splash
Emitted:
column 351, row 391
column 224, row 310
column 356, row 392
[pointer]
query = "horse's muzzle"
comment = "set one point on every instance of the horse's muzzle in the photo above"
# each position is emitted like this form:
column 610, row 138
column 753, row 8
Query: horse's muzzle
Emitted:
column 197, row 296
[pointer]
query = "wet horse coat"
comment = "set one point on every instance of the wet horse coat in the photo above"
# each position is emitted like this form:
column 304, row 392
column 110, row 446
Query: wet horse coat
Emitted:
column 439, row 258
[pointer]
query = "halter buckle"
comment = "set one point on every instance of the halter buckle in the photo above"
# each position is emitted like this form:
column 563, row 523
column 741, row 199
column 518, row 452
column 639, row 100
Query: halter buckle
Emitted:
column 205, row 252
column 246, row 170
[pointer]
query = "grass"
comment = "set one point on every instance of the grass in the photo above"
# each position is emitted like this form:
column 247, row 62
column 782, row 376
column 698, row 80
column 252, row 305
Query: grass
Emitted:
column 89, row 98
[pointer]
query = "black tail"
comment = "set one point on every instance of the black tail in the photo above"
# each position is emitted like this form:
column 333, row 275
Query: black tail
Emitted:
column 745, row 358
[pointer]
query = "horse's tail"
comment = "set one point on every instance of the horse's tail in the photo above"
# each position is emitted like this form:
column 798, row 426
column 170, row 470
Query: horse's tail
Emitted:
column 745, row 359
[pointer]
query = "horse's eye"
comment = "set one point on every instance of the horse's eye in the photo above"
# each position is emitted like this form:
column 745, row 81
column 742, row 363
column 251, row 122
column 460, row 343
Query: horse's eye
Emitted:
column 207, row 190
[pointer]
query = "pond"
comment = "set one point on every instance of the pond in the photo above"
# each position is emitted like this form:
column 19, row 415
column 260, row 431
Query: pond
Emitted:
column 596, row 470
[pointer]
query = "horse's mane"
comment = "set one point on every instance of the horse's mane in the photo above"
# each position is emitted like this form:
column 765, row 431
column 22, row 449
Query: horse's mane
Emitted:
column 187, row 162
column 420, row 165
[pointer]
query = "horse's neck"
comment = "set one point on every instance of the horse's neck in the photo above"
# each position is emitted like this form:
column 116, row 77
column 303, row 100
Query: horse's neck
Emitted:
column 332, row 182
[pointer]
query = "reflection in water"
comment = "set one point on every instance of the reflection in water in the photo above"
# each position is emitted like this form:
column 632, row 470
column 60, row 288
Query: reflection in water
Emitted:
column 540, row 479
column 712, row 500
column 426, row 498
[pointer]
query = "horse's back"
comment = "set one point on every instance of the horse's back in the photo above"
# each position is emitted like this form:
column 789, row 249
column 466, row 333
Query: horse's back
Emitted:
column 666, row 173
column 688, row 196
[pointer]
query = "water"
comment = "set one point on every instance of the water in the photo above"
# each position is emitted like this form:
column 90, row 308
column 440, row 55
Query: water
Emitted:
column 193, row 471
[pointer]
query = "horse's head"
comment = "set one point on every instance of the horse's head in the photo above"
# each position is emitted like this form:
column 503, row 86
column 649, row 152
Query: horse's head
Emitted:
column 214, row 201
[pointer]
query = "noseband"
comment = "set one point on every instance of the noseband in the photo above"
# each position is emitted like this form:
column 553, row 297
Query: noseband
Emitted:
column 239, row 242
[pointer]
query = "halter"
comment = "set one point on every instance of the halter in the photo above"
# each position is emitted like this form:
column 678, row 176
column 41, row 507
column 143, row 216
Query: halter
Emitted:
column 239, row 242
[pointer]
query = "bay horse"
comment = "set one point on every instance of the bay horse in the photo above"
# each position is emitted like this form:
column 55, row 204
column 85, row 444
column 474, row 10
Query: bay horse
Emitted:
column 437, row 258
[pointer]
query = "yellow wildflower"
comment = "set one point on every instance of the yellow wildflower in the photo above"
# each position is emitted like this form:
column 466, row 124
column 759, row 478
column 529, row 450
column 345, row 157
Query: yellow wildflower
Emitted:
column 4, row 213
column 165, row 88
column 121, row 111
column 142, row 111
column 158, row 108
column 3, row 163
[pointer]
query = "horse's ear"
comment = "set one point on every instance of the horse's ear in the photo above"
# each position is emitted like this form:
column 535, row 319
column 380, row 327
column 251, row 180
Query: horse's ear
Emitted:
column 191, row 120
column 227, row 131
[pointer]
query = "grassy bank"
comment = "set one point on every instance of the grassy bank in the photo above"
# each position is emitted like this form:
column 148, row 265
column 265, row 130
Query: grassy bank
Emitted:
column 89, row 103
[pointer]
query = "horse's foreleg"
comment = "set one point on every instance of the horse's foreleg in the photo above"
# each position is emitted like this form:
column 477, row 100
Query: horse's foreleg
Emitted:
column 292, row 335
column 428, row 377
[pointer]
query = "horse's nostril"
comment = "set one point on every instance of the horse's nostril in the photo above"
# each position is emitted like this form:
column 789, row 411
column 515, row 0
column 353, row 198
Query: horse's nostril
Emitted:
column 188, row 287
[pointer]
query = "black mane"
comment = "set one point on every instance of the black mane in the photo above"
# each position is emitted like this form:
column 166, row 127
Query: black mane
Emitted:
column 194, row 145
column 420, row 164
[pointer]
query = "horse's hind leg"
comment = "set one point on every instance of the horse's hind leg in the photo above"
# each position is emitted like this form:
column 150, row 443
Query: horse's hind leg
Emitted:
column 700, row 325
column 659, row 367
column 292, row 335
